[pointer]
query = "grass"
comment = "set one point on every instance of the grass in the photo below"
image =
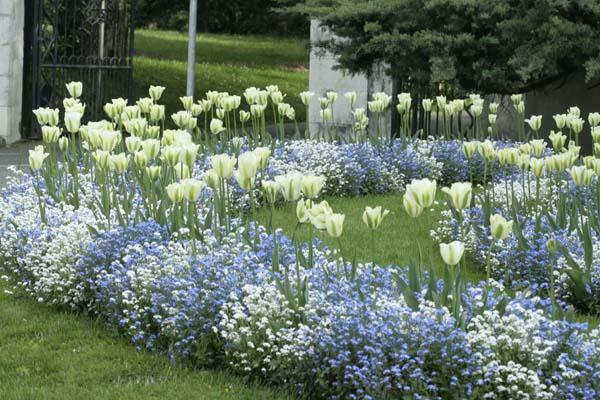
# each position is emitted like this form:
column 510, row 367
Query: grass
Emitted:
column 224, row 62
column 398, row 241
column 48, row 353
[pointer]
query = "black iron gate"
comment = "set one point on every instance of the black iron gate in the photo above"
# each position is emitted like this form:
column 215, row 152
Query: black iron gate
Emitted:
column 76, row 40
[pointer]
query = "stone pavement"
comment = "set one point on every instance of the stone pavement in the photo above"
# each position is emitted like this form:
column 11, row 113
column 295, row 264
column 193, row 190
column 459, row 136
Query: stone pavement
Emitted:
column 17, row 154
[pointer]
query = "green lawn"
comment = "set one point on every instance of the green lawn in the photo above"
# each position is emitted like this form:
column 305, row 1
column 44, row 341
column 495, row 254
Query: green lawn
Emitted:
column 397, row 241
column 48, row 354
column 224, row 62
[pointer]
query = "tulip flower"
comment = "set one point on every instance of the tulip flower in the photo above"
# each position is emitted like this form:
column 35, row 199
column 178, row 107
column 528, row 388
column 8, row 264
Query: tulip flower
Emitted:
column 594, row 119
column 302, row 208
column 422, row 191
column 290, row 186
column 500, row 227
column 558, row 140
column 187, row 102
column 460, row 193
column 318, row 214
column 535, row 122
column 350, row 98
column 574, row 111
column 305, row 97
column 373, row 217
column 538, row 166
column 51, row 134
column 118, row 162
column 312, row 185
column 63, row 144
column 191, row 188
column 270, row 191
column 538, row 147
column 216, row 126
column 223, row 165
column 175, row 192
column 469, row 149
column 72, row 121
column 74, row 89
column 582, row 176
column 560, row 120
column 263, row 154
column 244, row 116
column 412, row 208
column 156, row 92
column 452, row 252
column 36, row 158
column 334, row 224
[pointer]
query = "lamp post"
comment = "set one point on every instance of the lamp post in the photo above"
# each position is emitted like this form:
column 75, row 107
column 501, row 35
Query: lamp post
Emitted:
column 191, row 47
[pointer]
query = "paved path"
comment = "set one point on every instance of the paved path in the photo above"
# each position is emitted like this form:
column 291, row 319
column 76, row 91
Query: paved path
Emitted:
column 17, row 154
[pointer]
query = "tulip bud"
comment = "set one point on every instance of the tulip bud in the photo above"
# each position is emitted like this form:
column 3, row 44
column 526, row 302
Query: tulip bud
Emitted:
column 211, row 178
column 151, row 147
column 133, row 144
column 427, row 104
column 102, row 159
column 535, row 122
column 263, row 154
column 157, row 112
column 537, row 165
column 244, row 116
column 469, row 149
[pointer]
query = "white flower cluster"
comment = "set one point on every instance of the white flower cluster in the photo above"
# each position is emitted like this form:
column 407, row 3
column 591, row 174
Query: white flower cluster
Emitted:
column 261, row 327
column 511, row 350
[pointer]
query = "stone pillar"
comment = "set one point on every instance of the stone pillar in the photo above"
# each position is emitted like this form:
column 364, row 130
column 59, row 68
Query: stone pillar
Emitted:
column 323, row 77
column 12, row 13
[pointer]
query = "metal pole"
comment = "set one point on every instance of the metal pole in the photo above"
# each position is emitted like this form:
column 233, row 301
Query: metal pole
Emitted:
column 191, row 47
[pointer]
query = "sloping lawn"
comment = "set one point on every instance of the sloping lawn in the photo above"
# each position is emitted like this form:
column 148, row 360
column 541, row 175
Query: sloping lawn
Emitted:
column 224, row 63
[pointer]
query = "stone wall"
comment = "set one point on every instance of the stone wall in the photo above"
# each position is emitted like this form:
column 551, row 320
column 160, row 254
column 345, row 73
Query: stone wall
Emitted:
column 11, row 69
column 323, row 77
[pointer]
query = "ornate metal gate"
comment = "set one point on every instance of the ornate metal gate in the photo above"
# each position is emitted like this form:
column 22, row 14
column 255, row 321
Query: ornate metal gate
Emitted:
column 77, row 40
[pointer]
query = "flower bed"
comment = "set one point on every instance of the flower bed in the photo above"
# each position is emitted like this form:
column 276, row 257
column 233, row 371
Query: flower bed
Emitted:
column 149, row 235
